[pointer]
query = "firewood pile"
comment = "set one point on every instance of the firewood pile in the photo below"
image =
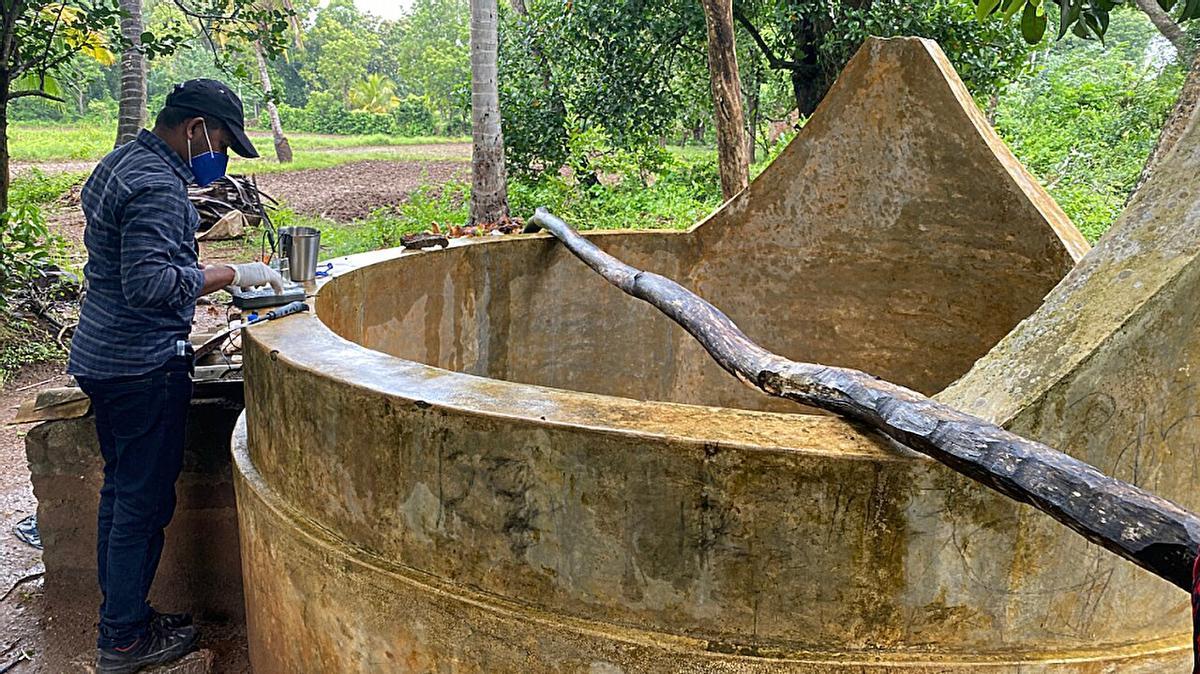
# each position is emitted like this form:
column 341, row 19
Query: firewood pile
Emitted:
column 228, row 205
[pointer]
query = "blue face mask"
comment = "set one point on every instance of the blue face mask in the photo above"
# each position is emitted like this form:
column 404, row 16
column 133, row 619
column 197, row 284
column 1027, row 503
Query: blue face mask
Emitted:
column 208, row 166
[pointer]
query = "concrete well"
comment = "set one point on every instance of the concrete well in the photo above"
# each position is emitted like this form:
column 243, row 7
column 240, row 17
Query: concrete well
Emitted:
column 484, row 459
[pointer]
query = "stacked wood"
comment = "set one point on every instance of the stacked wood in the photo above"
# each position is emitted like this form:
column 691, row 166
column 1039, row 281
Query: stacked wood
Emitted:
column 228, row 194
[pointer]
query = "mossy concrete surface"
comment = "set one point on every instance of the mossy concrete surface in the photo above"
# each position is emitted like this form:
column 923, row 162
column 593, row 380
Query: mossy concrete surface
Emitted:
column 484, row 459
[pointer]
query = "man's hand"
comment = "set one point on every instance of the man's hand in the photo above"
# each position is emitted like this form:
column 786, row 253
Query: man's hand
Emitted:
column 253, row 274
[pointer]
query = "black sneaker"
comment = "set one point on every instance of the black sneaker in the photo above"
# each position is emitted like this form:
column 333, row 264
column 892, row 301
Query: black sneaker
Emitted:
column 170, row 621
column 159, row 646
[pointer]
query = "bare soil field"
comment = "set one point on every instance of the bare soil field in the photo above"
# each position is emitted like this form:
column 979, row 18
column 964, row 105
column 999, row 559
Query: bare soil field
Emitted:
column 435, row 152
column 353, row 190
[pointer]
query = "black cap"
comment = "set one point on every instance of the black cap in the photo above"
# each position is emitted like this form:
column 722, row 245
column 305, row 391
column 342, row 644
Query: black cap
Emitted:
column 215, row 99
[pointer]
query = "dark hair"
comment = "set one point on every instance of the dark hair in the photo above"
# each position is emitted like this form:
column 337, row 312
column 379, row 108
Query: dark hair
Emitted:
column 172, row 116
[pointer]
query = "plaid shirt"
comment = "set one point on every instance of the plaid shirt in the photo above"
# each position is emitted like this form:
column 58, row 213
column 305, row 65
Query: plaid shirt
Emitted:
column 142, row 273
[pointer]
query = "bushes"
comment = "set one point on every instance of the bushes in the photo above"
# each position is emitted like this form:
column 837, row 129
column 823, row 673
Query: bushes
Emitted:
column 1085, row 122
column 325, row 113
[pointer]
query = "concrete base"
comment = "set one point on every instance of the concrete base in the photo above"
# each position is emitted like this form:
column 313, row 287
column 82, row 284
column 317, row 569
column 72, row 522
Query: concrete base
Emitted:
column 200, row 569
column 386, row 617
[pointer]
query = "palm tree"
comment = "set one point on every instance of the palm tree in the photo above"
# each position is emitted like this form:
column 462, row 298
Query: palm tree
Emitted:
column 131, row 115
column 283, row 149
column 489, row 183
column 374, row 94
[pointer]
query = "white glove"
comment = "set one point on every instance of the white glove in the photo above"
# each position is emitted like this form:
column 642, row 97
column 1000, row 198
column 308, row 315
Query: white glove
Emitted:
column 253, row 274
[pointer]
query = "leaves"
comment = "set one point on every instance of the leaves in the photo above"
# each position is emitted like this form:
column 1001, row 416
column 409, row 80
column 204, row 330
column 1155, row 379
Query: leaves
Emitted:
column 374, row 94
column 1033, row 23
column 984, row 8
column 1087, row 19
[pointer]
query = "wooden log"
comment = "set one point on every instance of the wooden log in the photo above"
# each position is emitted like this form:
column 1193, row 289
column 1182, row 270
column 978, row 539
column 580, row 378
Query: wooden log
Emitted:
column 1145, row 529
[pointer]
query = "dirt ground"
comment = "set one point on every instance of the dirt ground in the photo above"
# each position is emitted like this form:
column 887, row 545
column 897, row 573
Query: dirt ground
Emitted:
column 22, row 617
column 438, row 151
column 351, row 191
column 342, row 193
column 24, row 640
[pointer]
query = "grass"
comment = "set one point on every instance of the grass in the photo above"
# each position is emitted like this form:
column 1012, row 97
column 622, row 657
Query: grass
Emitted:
column 35, row 142
column 683, row 193
column 304, row 162
column 315, row 141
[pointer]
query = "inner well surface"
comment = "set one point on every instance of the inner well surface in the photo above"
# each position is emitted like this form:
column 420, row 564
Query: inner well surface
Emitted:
column 908, row 259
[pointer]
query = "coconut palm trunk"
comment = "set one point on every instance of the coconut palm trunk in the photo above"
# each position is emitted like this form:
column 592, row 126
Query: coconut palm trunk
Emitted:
column 131, row 115
column 283, row 149
column 489, row 183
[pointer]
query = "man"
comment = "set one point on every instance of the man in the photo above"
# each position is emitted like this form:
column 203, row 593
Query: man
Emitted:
column 130, row 352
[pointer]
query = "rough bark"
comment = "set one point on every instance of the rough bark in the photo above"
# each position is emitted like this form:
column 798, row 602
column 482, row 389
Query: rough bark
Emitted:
column 1167, row 26
column 732, row 157
column 1143, row 528
column 1182, row 116
column 5, row 85
column 489, row 182
column 131, row 113
column 283, row 149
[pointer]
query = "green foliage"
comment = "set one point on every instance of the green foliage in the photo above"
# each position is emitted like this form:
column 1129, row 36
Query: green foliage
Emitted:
column 676, row 197
column 341, row 49
column 430, row 50
column 24, row 249
column 376, row 93
column 591, row 63
column 325, row 113
column 1088, row 19
column 22, row 344
column 1088, row 118
column 444, row 206
column 38, row 188
column 679, row 195
column 26, row 243
column 826, row 33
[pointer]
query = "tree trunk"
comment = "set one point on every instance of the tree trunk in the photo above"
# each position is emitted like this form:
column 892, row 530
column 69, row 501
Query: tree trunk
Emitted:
column 727, row 97
column 131, row 115
column 754, row 105
column 489, row 182
column 5, row 83
column 283, row 149
column 1167, row 26
column 804, row 89
column 1183, row 115
column 1103, row 510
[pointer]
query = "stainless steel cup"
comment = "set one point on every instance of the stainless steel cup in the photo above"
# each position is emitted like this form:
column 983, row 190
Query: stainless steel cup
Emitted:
column 304, row 247
column 283, row 247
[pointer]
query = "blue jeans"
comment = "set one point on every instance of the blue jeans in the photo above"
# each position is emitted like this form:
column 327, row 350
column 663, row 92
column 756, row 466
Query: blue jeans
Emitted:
column 141, row 422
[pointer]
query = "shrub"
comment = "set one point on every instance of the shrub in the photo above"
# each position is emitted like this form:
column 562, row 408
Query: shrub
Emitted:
column 326, row 113
column 1086, row 120
column 25, row 242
